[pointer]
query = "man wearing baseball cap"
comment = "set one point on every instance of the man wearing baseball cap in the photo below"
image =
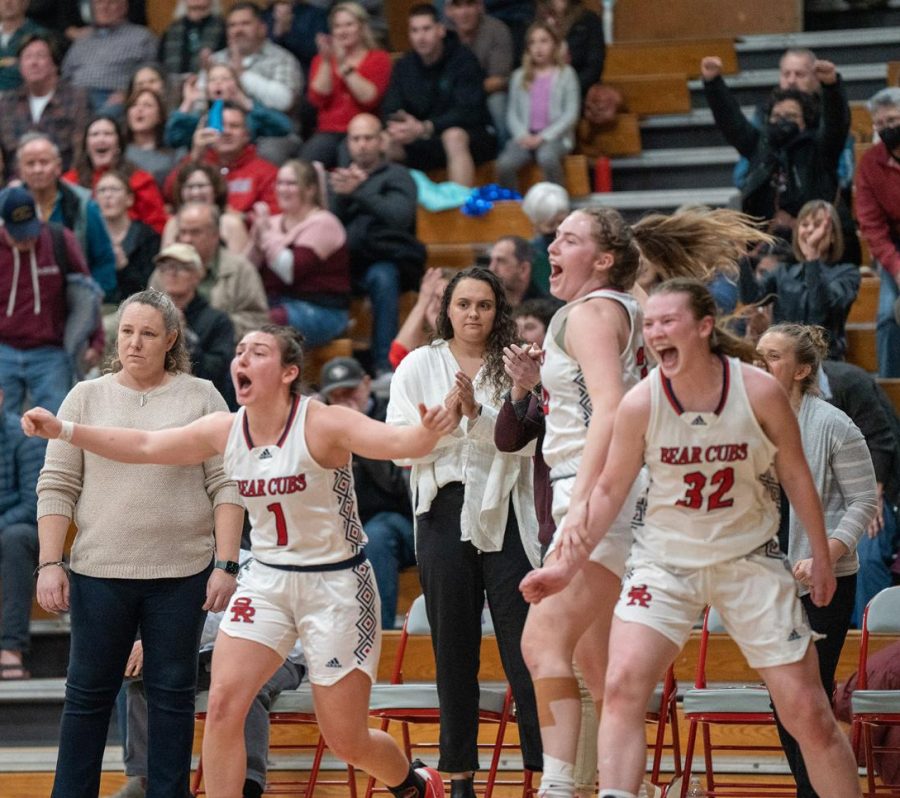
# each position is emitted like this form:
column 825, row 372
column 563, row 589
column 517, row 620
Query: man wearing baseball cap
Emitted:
column 33, row 360
column 382, row 491
column 208, row 332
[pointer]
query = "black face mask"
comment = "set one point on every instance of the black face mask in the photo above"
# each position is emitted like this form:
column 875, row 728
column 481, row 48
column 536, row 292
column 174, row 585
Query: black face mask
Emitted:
column 891, row 138
column 782, row 132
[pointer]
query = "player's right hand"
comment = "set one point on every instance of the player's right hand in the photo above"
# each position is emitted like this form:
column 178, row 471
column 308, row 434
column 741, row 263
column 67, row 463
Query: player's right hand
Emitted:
column 41, row 423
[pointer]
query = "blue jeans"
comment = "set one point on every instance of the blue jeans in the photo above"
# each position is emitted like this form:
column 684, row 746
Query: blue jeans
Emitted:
column 382, row 283
column 44, row 374
column 318, row 323
column 106, row 614
column 874, row 563
column 888, row 331
column 18, row 557
column 391, row 546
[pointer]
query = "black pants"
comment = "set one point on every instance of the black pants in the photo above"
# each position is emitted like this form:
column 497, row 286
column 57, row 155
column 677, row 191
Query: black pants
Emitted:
column 455, row 577
column 832, row 621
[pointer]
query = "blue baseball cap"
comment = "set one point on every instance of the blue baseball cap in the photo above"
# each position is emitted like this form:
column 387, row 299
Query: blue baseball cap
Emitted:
column 19, row 214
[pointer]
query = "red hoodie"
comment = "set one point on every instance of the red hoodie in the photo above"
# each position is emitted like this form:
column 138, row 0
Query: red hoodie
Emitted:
column 33, row 291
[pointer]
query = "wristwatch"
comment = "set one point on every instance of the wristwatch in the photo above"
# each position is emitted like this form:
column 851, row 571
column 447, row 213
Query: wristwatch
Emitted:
column 229, row 566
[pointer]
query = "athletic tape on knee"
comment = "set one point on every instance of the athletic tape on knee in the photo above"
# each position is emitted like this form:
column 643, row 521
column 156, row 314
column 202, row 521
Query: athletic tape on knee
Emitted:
column 550, row 689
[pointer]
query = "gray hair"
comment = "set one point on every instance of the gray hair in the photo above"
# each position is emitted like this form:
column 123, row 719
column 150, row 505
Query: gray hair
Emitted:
column 885, row 98
column 544, row 201
column 215, row 214
column 803, row 52
column 35, row 135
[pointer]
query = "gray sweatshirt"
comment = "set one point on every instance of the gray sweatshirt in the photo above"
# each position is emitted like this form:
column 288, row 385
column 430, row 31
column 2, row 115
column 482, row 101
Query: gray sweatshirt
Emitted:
column 844, row 477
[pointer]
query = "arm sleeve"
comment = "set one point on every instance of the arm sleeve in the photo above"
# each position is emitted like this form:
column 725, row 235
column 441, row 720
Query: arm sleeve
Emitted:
column 467, row 108
column 394, row 205
column 512, row 431
column 60, row 482
column 516, row 107
column 148, row 207
column 736, row 128
column 266, row 121
column 832, row 134
column 567, row 85
column 376, row 68
column 100, row 254
column 855, row 477
column 829, row 295
column 180, row 128
column 872, row 203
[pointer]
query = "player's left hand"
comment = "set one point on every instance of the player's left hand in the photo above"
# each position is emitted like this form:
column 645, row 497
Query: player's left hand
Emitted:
column 823, row 582
column 803, row 571
column 218, row 590
column 543, row 582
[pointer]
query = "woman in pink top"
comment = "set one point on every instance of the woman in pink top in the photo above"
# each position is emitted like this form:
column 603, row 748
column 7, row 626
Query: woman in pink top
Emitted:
column 348, row 77
column 542, row 111
column 303, row 258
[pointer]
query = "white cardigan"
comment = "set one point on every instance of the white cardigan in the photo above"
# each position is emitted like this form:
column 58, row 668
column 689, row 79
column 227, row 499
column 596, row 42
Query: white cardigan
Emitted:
column 467, row 455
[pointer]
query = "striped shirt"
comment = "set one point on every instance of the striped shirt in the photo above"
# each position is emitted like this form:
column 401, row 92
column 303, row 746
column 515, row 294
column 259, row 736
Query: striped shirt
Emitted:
column 844, row 477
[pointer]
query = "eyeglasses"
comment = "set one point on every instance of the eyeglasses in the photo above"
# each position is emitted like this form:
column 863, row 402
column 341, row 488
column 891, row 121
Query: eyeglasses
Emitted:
column 196, row 186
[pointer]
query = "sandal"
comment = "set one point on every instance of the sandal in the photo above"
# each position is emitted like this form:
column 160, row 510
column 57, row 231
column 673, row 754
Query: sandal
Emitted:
column 7, row 670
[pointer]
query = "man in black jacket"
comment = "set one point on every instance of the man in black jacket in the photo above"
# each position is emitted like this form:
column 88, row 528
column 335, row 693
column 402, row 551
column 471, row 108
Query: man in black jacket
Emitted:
column 376, row 201
column 382, row 493
column 435, row 105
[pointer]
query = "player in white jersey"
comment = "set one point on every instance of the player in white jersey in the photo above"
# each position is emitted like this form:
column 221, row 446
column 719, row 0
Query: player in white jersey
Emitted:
column 291, row 458
column 708, row 428
column 593, row 355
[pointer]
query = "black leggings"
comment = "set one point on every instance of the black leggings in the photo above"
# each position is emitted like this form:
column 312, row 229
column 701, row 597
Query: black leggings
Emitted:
column 832, row 621
column 455, row 576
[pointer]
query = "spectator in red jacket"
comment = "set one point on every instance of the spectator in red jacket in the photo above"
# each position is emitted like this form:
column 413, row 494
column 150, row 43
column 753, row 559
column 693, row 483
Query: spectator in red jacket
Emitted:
column 250, row 179
column 878, row 213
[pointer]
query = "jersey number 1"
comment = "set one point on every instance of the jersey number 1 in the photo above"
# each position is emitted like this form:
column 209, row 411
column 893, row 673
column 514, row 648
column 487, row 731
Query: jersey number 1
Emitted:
column 280, row 524
column 696, row 482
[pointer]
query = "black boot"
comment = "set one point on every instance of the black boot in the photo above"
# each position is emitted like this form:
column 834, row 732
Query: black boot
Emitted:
column 462, row 788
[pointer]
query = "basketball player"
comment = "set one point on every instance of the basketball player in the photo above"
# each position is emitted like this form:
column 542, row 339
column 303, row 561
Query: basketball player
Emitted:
column 711, row 429
column 593, row 355
column 291, row 459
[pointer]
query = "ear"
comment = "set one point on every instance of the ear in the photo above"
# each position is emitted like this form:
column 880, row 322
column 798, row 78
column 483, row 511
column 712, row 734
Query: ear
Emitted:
column 290, row 374
column 802, row 372
column 604, row 262
column 171, row 338
column 706, row 326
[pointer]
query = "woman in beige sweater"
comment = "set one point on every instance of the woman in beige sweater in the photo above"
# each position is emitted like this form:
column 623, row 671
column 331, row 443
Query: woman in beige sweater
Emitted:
column 143, row 559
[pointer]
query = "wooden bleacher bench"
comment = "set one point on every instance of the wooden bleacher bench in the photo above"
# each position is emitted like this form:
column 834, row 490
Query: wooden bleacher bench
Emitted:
column 860, row 122
column 318, row 356
column 654, row 94
column 893, row 73
column 622, row 137
column 624, row 59
column 861, row 346
column 865, row 307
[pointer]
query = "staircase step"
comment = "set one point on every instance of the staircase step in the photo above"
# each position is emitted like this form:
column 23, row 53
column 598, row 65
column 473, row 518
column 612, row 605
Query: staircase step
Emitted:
column 843, row 47
column 634, row 204
column 677, row 168
column 835, row 14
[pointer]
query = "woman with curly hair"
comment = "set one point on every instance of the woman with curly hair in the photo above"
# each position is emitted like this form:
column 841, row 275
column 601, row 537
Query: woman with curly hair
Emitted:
column 476, row 530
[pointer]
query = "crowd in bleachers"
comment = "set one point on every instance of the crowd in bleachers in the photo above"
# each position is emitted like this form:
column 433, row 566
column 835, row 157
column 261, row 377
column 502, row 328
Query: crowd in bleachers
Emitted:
column 255, row 165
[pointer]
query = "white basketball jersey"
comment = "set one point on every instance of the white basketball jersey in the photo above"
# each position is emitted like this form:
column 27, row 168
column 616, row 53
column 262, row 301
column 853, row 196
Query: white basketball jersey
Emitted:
column 713, row 492
column 567, row 405
column 301, row 513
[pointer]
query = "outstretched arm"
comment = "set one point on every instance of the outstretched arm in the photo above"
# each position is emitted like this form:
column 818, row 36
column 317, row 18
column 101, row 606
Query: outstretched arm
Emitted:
column 623, row 463
column 188, row 445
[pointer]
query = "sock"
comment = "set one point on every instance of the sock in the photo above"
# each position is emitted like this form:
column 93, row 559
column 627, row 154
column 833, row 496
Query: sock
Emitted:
column 252, row 789
column 412, row 786
column 558, row 779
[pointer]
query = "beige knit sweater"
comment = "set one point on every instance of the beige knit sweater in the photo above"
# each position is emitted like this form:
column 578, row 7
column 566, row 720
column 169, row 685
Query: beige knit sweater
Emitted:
column 136, row 521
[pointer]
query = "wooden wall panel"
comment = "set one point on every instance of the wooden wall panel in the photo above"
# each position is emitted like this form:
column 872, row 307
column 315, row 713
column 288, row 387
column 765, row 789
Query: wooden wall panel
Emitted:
column 703, row 19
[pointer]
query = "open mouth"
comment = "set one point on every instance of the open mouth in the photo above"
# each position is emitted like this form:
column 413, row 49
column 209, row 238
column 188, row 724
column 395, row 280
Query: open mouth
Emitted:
column 555, row 269
column 668, row 357
column 243, row 381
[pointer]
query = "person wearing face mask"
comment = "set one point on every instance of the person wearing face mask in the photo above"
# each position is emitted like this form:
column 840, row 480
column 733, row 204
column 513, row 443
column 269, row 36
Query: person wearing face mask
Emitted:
column 878, row 212
column 793, row 159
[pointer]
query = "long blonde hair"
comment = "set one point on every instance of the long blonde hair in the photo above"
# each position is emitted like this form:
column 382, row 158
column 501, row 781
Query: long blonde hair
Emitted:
column 360, row 14
column 559, row 54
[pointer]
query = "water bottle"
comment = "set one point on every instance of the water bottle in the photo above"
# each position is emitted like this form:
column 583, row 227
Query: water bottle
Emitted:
column 695, row 790
column 214, row 118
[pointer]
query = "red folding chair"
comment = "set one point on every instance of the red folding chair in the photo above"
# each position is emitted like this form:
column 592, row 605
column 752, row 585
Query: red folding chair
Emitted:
column 290, row 708
column 705, row 706
column 872, row 709
column 662, row 710
column 409, row 703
